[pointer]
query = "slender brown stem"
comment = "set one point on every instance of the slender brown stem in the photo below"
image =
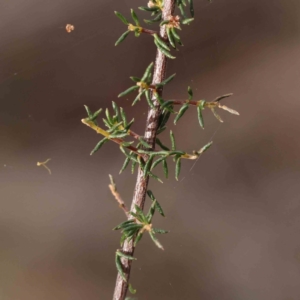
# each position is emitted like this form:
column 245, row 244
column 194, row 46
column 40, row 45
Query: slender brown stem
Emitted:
column 118, row 197
column 148, row 31
column 150, row 135
column 133, row 134
column 181, row 102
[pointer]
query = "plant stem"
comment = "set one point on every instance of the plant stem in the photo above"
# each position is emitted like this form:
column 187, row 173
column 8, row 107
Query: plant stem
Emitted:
column 139, row 195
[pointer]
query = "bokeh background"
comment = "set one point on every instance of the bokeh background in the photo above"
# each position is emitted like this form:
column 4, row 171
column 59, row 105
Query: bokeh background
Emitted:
column 234, row 215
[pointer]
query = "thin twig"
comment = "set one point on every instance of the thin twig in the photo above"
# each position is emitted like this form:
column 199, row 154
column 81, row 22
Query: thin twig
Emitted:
column 106, row 134
column 148, row 31
column 113, row 189
column 150, row 135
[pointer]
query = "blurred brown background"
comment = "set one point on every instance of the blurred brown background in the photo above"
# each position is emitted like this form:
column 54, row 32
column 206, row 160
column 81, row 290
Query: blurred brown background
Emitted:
column 234, row 217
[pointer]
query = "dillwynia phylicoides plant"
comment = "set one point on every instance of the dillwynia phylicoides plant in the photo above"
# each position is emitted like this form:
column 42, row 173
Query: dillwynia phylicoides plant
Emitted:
column 140, row 151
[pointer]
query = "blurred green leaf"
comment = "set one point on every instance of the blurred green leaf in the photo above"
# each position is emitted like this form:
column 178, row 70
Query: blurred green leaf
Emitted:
column 181, row 112
column 135, row 18
column 120, row 267
column 131, row 89
column 122, row 38
column 122, row 18
column 177, row 167
column 147, row 72
column 99, row 145
column 190, row 92
column 172, row 140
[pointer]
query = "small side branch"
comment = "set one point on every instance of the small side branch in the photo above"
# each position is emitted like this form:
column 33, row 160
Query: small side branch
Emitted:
column 106, row 134
column 113, row 188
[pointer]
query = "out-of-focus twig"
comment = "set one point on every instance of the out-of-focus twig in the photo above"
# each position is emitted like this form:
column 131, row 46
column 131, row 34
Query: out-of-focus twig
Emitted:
column 113, row 188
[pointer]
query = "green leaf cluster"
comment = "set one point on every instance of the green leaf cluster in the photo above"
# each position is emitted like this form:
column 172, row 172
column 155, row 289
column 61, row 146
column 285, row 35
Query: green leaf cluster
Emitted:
column 141, row 223
column 144, row 87
column 182, row 4
column 155, row 9
column 135, row 28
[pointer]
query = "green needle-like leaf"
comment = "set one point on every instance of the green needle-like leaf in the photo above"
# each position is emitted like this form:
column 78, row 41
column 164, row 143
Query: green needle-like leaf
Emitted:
column 131, row 89
column 126, row 162
column 120, row 267
column 160, row 130
column 138, row 97
column 160, row 42
column 148, row 165
column 155, row 240
column 147, row 72
column 187, row 21
column 164, row 51
column 133, row 166
column 172, row 140
column 204, row 148
column 165, row 22
column 151, row 212
column 145, row 8
column 160, row 231
column 177, row 167
column 108, row 117
column 181, row 112
column 192, row 8
column 124, row 224
column 171, row 38
column 149, row 100
column 166, row 81
column 138, row 238
column 164, row 118
column 122, row 18
column 140, row 213
column 153, row 152
column 89, row 113
column 122, row 38
column 165, row 167
column 123, row 115
column 118, row 135
column 156, row 19
column 116, row 110
column 157, row 162
column 135, row 18
column 123, row 238
column 200, row 117
column 176, row 36
column 137, row 216
column 159, row 99
column 161, row 145
column 155, row 177
column 127, row 127
column 99, row 145
column 121, row 254
column 115, row 127
column 190, row 92
column 131, row 289
column 127, row 144
column 132, row 229
column 135, row 79
column 181, row 8
column 176, row 152
column 157, row 205
column 144, row 143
